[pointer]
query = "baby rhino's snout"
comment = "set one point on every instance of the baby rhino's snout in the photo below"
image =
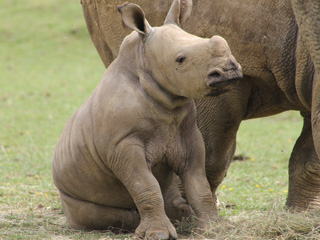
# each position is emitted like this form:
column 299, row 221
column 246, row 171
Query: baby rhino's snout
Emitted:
column 227, row 69
column 230, row 70
column 224, row 74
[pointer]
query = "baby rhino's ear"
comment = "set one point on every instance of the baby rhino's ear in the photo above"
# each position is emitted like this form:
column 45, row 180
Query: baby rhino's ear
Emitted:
column 133, row 17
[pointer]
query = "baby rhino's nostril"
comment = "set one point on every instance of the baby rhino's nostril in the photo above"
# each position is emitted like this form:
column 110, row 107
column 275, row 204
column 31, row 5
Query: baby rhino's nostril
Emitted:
column 214, row 74
column 231, row 65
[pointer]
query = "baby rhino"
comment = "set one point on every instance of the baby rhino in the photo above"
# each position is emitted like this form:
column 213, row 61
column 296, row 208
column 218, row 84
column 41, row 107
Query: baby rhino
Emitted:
column 116, row 160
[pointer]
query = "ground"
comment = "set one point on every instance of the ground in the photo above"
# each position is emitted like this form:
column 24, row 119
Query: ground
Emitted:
column 49, row 67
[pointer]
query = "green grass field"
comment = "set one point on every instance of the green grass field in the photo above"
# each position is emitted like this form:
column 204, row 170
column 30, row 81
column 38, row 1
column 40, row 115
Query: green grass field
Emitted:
column 48, row 68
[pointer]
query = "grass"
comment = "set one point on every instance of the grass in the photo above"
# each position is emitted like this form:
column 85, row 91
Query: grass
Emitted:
column 49, row 67
column 266, row 144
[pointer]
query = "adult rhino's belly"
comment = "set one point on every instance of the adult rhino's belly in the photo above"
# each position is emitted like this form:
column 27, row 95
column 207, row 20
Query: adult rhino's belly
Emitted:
column 266, row 100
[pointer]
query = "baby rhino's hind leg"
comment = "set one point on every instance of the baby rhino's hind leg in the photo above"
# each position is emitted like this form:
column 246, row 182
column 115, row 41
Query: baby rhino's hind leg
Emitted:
column 175, row 205
column 92, row 216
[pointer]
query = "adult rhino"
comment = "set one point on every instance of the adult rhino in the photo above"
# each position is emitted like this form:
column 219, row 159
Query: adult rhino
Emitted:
column 278, row 75
column 119, row 151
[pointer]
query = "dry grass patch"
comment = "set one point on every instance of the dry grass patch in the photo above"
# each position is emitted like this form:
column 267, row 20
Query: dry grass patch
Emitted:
column 276, row 223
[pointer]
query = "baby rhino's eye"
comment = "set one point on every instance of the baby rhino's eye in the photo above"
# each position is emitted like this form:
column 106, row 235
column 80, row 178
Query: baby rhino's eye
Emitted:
column 181, row 59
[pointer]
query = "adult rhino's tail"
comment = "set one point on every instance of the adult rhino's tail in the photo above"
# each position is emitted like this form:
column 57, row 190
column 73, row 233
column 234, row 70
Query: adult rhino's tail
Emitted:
column 307, row 13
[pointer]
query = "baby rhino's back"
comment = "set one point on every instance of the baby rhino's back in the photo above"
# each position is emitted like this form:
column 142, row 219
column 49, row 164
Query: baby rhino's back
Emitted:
column 80, row 164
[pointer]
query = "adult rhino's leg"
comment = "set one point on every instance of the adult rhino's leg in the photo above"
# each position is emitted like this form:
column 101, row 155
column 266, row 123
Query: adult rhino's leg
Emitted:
column 307, row 14
column 304, row 172
column 98, row 23
column 218, row 120
column 87, row 215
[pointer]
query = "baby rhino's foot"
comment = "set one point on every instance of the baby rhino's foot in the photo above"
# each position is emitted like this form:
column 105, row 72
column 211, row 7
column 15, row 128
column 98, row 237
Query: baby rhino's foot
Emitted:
column 178, row 209
column 157, row 228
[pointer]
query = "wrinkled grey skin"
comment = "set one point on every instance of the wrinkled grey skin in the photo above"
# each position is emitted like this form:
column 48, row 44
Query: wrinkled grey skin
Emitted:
column 121, row 149
column 307, row 14
column 278, row 75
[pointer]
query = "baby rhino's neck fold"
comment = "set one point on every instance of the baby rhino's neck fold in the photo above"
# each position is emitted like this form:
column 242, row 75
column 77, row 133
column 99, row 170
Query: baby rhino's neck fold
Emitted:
column 159, row 94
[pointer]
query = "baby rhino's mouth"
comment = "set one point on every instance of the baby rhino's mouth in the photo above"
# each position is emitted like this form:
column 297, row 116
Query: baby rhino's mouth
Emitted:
column 217, row 76
column 219, row 80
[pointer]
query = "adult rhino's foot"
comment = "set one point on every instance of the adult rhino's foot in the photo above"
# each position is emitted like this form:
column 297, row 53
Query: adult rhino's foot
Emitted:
column 156, row 228
column 304, row 188
column 304, row 172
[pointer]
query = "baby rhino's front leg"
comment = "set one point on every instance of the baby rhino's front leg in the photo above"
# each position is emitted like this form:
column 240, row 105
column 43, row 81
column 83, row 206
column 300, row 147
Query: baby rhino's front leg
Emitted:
column 195, row 183
column 131, row 169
